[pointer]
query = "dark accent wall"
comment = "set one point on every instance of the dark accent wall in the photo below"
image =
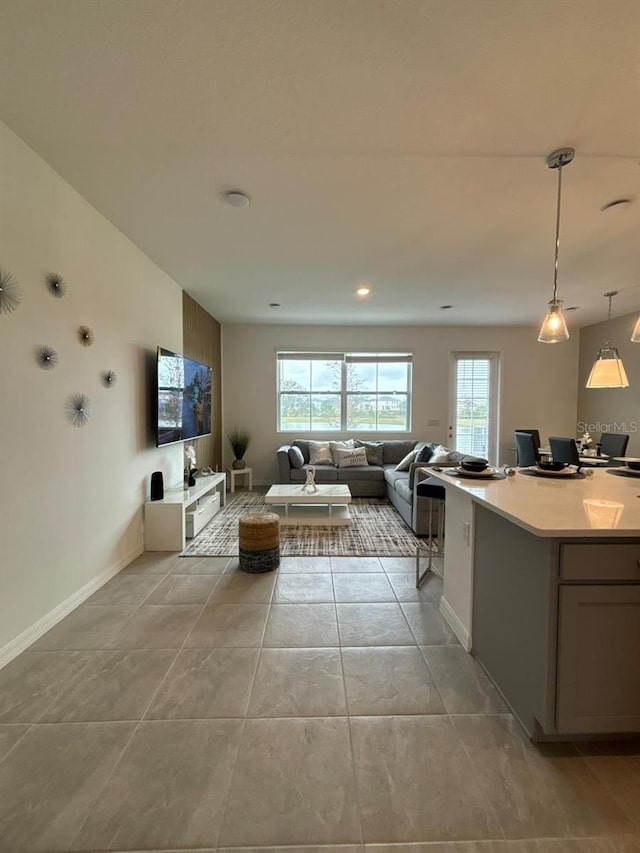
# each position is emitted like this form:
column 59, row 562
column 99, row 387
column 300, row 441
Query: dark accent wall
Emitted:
column 201, row 341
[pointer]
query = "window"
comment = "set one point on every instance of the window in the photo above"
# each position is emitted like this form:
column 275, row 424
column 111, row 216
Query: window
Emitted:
column 475, row 404
column 344, row 391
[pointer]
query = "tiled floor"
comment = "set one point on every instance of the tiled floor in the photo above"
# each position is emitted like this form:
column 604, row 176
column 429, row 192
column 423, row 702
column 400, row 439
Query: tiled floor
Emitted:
column 187, row 706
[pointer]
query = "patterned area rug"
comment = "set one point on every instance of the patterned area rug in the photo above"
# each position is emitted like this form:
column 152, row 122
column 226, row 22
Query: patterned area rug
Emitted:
column 376, row 530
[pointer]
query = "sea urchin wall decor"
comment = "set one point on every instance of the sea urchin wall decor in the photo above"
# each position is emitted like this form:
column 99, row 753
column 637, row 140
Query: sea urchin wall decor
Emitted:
column 10, row 295
column 56, row 285
column 109, row 378
column 86, row 336
column 46, row 357
column 78, row 410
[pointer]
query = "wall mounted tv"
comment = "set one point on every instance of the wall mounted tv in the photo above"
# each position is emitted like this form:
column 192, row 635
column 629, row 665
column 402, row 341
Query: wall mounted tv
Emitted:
column 184, row 398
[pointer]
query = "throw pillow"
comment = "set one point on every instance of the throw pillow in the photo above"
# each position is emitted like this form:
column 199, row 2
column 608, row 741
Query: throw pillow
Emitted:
column 441, row 454
column 352, row 458
column 334, row 446
column 373, row 449
column 405, row 464
column 295, row 457
column 320, row 453
column 424, row 454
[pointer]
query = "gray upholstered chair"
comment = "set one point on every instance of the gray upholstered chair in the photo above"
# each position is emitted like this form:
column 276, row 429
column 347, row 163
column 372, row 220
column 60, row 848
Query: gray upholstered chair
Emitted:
column 614, row 444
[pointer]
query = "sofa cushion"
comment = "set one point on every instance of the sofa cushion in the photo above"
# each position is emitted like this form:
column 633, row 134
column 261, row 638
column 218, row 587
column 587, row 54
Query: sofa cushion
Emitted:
column 356, row 456
column 374, row 451
column 366, row 472
column 295, row 457
column 392, row 476
column 320, row 453
column 402, row 488
column 394, row 451
column 324, row 474
column 335, row 446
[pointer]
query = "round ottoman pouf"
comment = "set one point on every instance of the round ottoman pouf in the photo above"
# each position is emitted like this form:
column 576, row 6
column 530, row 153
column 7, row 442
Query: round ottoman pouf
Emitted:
column 259, row 542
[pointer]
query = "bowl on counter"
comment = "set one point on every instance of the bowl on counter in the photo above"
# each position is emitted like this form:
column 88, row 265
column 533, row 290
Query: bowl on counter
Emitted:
column 634, row 464
column 476, row 465
column 550, row 465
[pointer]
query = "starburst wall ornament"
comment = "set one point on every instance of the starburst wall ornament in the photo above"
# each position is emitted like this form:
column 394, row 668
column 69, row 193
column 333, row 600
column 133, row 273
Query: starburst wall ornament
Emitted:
column 78, row 410
column 56, row 285
column 10, row 293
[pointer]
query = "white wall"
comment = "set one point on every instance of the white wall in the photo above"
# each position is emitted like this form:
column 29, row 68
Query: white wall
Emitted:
column 71, row 499
column 611, row 409
column 539, row 381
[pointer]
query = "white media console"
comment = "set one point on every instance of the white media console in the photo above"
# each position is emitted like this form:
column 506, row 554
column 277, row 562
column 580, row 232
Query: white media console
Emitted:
column 182, row 513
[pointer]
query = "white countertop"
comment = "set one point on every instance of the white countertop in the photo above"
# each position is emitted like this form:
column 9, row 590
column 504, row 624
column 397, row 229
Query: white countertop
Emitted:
column 599, row 505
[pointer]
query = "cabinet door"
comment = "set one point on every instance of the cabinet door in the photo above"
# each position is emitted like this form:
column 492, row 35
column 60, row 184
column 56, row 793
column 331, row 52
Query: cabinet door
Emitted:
column 598, row 687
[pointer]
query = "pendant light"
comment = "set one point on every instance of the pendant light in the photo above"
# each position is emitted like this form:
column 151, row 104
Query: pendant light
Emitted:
column 554, row 327
column 635, row 335
column 608, row 370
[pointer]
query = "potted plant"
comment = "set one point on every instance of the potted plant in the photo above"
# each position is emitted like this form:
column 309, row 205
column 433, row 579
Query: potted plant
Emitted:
column 239, row 441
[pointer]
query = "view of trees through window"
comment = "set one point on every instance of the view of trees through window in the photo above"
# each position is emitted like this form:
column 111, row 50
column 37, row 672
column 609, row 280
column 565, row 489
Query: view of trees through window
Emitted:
column 475, row 421
column 344, row 391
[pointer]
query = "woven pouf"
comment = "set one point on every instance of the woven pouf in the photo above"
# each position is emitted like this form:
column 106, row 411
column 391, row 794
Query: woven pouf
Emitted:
column 259, row 542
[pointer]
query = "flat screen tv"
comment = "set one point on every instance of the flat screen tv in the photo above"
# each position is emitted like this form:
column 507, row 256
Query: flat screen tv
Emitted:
column 184, row 398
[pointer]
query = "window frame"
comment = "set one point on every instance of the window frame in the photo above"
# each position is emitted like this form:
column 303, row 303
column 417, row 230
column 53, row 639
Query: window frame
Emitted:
column 346, row 358
column 493, row 411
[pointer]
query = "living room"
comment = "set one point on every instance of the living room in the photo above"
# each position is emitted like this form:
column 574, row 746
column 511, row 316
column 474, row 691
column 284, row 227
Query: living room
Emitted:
column 357, row 139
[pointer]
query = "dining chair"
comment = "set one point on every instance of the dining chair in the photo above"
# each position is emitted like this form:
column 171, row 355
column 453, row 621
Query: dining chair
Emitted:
column 564, row 450
column 614, row 444
column 526, row 450
column 536, row 437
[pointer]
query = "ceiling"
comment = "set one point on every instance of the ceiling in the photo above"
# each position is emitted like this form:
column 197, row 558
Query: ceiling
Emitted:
column 401, row 142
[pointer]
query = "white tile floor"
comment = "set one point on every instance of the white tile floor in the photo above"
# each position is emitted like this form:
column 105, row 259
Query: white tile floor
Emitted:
column 327, row 706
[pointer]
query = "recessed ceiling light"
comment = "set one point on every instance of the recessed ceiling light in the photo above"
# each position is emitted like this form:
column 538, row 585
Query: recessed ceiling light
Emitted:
column 363, row 290
column 236, row 199
column 445, row 307
column 274, row 305
column 620, row 203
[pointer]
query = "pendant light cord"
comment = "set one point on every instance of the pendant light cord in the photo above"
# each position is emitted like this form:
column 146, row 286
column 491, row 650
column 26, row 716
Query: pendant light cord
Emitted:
column 609, row 294
column 555, row 269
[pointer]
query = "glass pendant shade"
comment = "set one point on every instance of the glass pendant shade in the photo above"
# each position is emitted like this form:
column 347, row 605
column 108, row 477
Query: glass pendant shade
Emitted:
column 608, row 370
column 554, row 328
column 635, row 335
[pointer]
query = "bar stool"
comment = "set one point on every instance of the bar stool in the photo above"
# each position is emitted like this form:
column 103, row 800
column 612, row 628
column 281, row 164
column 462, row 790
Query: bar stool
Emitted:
column 436, row 495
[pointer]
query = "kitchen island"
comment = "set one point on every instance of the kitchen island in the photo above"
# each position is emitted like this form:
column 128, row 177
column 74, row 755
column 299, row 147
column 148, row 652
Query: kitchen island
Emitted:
column 542, row 585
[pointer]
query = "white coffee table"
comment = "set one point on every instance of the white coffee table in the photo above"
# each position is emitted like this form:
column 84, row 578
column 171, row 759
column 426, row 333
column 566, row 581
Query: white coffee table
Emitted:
column 328, row 506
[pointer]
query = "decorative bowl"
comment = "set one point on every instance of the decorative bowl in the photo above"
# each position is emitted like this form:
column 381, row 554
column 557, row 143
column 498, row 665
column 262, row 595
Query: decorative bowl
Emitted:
column 474, row 464
column 635, row 466
column 546, row 465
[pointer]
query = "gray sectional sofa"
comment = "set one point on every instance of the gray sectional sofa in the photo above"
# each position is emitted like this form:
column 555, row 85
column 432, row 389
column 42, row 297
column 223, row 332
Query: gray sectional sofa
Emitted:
column 371, row 480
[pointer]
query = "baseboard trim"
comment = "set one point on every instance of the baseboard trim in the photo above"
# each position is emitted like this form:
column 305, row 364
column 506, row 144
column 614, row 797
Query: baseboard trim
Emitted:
column 455, row 624
column 14, row 647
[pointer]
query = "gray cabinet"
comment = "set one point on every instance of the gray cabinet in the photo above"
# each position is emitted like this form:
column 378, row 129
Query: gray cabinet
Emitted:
column 556, row 625
column 598, row 676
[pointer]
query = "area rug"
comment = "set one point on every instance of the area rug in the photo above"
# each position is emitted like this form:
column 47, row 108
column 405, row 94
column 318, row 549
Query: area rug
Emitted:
column 376, row 530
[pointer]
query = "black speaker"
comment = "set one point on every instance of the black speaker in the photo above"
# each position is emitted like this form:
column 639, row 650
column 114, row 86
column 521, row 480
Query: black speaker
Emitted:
column 157, row 486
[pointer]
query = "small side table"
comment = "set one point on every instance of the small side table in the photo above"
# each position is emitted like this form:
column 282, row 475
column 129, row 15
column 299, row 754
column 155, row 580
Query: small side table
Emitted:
column 238, row 472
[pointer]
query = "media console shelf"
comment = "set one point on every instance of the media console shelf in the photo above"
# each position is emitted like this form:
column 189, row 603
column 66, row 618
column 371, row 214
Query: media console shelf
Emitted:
column 182, row 512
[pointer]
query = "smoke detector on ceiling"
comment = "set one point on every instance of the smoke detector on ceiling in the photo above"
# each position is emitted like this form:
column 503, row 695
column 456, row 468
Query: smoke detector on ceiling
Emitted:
column 236, row 199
